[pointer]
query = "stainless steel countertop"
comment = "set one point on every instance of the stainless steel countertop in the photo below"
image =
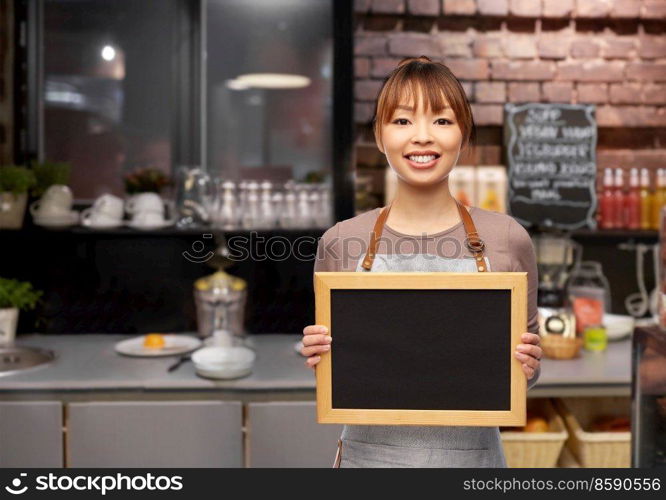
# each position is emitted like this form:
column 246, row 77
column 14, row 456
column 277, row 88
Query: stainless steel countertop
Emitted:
column 89, row 362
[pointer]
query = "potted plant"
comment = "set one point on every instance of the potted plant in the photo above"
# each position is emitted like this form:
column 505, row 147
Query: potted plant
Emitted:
column 146, row 179
column 15, row 295
column 49, row 173
column 15, row 182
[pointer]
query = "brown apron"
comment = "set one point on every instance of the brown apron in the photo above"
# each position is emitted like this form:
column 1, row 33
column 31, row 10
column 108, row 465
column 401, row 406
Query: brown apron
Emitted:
column 473, row 243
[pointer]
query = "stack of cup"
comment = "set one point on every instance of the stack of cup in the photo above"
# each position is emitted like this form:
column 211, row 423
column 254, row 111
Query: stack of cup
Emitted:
column 148, row 211
column 106, row 212
column 54, row 208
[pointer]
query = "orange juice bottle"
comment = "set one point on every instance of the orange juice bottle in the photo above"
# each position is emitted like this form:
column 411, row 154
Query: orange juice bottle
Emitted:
column 646, row 200
column 659, row 199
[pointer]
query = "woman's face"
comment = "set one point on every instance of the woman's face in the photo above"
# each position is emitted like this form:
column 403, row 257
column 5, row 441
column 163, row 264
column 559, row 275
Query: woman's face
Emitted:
column 421, row 147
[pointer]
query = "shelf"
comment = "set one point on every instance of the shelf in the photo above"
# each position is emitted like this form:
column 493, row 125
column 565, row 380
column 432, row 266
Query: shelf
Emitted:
column 168, row 232
column 616, row 233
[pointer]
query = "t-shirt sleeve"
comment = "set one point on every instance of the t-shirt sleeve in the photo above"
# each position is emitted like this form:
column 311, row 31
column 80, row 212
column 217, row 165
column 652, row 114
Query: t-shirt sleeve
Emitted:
column 523, row 258
column 327, row 258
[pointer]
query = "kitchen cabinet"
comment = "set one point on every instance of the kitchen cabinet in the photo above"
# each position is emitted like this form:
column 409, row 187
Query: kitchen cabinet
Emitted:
column 286, row 434
column 31, row 434
column 155, row 434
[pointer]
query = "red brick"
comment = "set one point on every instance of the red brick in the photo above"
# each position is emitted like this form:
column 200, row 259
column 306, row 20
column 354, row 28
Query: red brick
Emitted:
column 557, row 92
column 591, row 71
column 650, row 158
column 644, row 71
column 488, row 114
column 388, row 7
column 423, row 7
column 611, row 158
column 652, row 47
column 362, row 6
column 654, row 9
column 619, row 48
column 519, row 70
column 553, row 47
column 493, row 7
column 584, row 49
column 654, row 94
column 625, row 93
column 524, row 92
column 413, row 45
column 630, row 116
column 525, row 8
column 469, row 69
column 366, row 90
column 520, row 47
column 490, row 92
column 468, row 87
column 454, row 44
column 363, row 112
column 460, row 7
column 593, row 8
column 558, row 8
column 382, row 66
column 487, row 46
column 626, row 8
column 592, row 93
column 361, row 67
column 373, row 45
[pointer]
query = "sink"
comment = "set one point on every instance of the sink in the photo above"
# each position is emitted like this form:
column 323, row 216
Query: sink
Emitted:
column 15, row 359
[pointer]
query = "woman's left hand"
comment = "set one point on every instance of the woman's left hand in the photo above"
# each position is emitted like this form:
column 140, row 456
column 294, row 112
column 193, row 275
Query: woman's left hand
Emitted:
column 529, row 353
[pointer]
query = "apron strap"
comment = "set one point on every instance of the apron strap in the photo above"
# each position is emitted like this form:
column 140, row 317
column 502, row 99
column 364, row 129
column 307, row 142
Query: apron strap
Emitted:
column 473, row 242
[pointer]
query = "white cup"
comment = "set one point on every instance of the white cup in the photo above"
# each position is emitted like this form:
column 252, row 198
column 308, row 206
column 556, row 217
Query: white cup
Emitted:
column 109, row 205
column 151, row 202
column 148, row 218
column 56, row 201
column 92, row 218
column 59, row 195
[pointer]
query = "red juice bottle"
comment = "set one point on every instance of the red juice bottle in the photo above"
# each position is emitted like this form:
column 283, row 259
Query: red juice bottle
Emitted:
column 607, row 203
column 633, row 201
column 619, row 200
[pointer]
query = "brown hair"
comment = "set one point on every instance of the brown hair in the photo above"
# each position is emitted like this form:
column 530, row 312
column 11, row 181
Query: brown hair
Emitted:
column 418, row 76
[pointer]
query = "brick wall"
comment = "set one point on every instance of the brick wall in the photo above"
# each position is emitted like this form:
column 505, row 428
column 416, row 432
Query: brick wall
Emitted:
column 608, row 52
column 6, row 79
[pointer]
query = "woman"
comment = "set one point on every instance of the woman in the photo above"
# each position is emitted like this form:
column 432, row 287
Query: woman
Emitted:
column 422, row 122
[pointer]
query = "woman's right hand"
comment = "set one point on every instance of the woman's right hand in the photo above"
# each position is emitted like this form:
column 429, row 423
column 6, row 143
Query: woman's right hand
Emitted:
column 316, row 340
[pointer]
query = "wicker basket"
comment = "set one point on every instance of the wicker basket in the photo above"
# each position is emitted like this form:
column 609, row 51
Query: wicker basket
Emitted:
column 559, row 347
column 596, row 449
column 536, row 449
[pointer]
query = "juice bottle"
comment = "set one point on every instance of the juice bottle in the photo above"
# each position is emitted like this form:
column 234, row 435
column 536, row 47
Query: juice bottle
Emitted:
column 619, row 199
column 632, row 202
column 607, row 203
column 646, row 200
column 658, row 200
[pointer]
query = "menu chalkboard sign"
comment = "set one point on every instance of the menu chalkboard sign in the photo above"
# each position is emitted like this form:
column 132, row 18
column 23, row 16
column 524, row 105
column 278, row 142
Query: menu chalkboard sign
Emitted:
column 551, row 158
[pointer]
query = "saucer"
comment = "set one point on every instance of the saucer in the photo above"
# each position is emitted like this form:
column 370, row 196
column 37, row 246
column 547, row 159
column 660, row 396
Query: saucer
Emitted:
column 57, row 220
column 148, row 227
column 174, row 344
column 105, row 225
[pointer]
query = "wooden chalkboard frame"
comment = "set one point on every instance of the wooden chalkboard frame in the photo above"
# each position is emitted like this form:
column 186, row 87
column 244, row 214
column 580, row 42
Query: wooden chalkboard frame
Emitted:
column 515, row 282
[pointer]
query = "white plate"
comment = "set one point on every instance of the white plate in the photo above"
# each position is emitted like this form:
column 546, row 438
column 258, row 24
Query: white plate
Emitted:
column 143, row 227
column 58, row 220
column 109, row 225
column 173, row 344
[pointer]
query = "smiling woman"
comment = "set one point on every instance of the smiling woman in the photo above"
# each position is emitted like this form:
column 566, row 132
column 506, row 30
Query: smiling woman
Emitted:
column 423, row 121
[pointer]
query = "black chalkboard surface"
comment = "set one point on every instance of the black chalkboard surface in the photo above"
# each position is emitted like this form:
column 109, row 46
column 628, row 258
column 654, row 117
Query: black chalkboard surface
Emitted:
column 426, row 344
column 550, row 152
column 414, row 348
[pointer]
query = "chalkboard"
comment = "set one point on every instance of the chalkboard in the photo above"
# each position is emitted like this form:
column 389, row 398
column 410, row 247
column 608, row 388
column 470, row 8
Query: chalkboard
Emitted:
column 421, row 348
column 550, row 152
